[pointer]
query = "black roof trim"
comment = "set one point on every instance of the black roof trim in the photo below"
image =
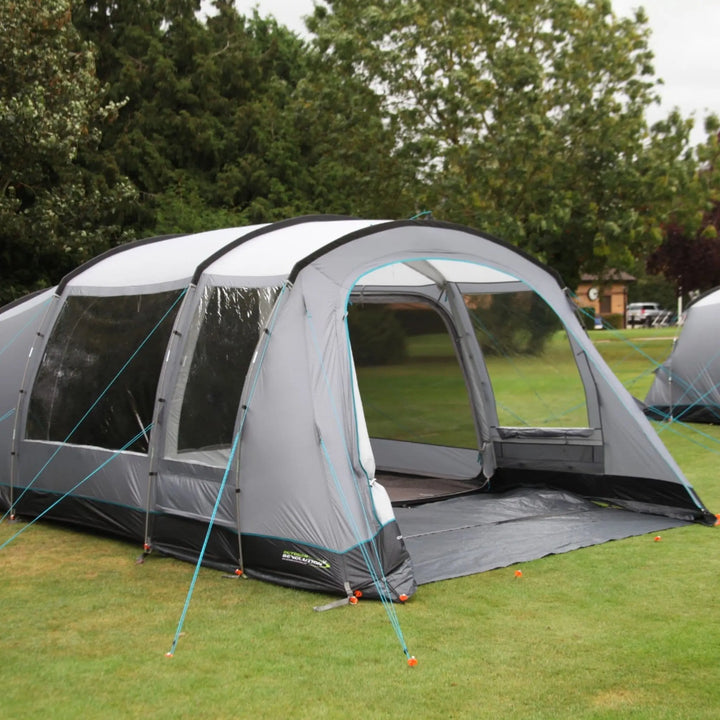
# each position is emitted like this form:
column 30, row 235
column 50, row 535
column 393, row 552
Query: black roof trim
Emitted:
column 702, row 296
column 419, row 223
column 108, row 253
column 261, row 231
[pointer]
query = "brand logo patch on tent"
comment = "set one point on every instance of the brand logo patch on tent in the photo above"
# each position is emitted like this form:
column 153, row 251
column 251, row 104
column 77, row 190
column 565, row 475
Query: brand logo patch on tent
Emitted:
column 304, row 559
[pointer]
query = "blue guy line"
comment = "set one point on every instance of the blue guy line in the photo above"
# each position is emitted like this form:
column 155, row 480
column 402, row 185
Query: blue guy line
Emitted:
column 379, row 579
column 171, row 652
column 77, row 485
column 97, row 400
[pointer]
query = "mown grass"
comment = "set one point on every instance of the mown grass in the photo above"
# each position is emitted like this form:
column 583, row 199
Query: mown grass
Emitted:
column 629, row 629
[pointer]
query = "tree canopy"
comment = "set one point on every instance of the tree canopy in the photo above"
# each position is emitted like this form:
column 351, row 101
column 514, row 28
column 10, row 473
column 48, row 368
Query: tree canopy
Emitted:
column 60, row 201
column 232, row 120
column 689, row 255
column 527, row 118
column 523, row 118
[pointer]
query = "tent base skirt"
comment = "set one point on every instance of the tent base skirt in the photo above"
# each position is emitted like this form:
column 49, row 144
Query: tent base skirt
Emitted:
column 474, row 533
column 695, row 413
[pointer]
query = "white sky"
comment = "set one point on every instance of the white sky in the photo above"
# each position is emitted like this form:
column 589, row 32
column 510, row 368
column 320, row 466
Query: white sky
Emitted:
column 684, row 40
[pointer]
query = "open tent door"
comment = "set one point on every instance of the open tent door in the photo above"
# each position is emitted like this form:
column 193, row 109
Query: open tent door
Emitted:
column 415, row 398
column 468, row 392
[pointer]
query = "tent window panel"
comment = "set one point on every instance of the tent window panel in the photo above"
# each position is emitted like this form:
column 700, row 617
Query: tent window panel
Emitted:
column 411, row 383
column 83, row 368
column 230, row 322
column 535, row 379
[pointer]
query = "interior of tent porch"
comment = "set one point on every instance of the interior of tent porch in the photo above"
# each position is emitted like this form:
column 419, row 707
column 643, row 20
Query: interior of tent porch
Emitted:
column 454, row 519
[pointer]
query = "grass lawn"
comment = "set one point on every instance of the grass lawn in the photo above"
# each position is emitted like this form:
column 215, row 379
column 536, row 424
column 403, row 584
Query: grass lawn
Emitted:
column 629, row 629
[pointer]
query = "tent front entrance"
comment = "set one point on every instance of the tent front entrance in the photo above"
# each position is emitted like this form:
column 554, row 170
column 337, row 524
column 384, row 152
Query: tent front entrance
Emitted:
column 418, row 408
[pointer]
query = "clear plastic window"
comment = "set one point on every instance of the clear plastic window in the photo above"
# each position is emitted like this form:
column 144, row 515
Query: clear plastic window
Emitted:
column 531, row 364
column 97, row 381
column 228, row 325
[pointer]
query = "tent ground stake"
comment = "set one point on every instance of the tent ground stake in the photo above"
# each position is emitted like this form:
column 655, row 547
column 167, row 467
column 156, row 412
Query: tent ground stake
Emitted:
column 350, row 599
column 331, row 605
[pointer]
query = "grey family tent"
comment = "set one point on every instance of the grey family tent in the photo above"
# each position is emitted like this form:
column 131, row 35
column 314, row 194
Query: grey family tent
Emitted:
column 687, row 385
column 207, row 381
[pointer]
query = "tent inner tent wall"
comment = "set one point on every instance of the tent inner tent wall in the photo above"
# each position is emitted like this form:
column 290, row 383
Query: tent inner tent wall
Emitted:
column 150, row 376
column 687, row 385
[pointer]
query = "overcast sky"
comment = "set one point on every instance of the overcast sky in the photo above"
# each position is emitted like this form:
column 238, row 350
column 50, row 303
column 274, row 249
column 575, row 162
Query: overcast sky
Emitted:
column 684, row 40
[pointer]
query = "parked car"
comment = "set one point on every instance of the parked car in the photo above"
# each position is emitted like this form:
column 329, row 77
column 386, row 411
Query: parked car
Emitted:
column 644, row 314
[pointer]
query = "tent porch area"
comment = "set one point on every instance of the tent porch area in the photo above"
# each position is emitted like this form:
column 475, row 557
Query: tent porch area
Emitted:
column 451, row 529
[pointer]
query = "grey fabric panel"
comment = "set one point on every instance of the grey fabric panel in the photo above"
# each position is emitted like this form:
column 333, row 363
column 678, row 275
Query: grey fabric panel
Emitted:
column 691, row 375
column 548, row 453
column 410, row 458
column 300, row 475
column 191, row 491
column 121, row 481
column 661, row 392
column 480, row 532
column 18, row 328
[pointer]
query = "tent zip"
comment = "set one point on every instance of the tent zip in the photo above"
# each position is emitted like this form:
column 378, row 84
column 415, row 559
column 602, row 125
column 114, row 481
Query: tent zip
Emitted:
column 246, row 400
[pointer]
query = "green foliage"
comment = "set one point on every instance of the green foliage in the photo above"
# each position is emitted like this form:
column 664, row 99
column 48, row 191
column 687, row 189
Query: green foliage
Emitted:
column 653, row 288
column 512, row 323
column 523, row 118
column 235, row 120
column 377, row 335
column 616, row 320
column 60, row 201
column 689, row 256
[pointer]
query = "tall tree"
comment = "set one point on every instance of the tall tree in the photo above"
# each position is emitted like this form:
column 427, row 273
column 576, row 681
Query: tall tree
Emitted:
column 232, row 119
column 60, row 201
column 689, row 256
column 527, row 117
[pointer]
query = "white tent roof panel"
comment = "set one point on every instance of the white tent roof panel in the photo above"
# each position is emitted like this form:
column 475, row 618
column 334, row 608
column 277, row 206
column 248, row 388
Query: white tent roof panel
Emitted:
column 157, row 263
column 275, row 253
column 173, row 261
column 712, row 298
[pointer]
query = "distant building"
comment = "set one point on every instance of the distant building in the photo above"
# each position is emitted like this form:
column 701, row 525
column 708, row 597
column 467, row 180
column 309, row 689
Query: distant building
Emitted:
column 606, row 295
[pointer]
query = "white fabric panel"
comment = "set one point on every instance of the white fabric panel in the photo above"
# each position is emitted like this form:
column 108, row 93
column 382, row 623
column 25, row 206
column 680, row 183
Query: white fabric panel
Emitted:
column 26, row 305
column 381, row 501
column 400, row 275
column 276, row 252
column 395, row 275
column 367, row 459
column 465, row 272
column 157, row 263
